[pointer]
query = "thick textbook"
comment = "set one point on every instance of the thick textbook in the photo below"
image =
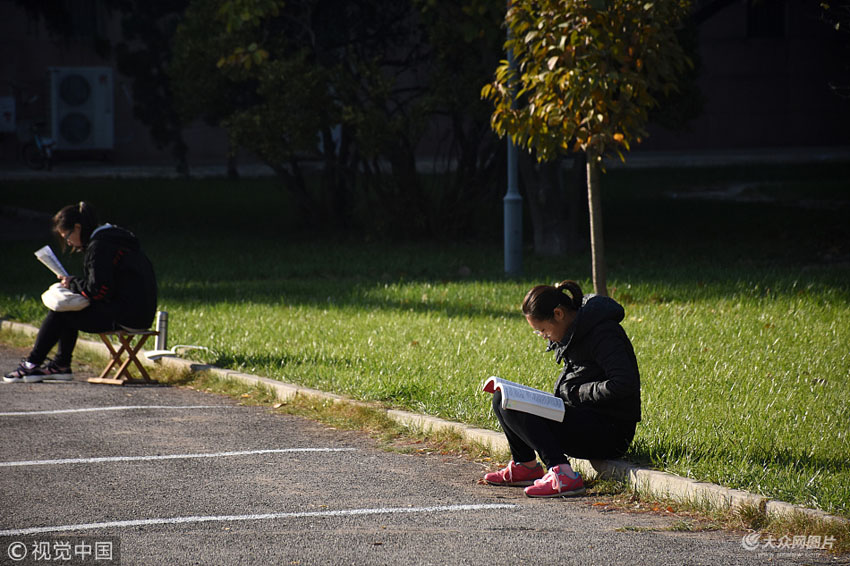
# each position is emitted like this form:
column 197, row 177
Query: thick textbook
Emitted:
column 527, row 399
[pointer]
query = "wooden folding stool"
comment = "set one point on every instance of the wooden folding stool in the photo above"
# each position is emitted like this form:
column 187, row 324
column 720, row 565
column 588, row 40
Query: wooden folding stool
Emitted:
column 117, row 363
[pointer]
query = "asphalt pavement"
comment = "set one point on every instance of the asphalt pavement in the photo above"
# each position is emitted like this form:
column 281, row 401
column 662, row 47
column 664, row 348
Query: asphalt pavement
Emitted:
column 169, row 475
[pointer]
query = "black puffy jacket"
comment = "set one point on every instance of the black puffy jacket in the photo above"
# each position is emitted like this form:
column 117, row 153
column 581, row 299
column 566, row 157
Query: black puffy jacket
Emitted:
column 118, row 276
column 600, row 368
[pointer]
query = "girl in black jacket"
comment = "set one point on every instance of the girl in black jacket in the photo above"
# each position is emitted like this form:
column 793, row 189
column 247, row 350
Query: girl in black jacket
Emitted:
column 600, row 387
column 118, row 279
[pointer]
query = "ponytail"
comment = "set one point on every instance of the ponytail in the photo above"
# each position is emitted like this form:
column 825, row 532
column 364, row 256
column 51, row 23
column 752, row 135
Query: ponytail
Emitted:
column 575, row 294
column 81, row 213
column 541, row 301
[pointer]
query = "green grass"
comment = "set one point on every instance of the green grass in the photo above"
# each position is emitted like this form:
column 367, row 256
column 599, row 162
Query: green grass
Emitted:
column 738, row 311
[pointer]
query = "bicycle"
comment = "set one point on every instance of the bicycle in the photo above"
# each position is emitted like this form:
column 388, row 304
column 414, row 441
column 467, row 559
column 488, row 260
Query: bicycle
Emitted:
column 38, row 153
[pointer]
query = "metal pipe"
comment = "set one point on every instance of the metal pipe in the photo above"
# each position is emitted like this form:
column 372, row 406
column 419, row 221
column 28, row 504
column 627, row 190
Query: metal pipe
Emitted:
column 513, row 200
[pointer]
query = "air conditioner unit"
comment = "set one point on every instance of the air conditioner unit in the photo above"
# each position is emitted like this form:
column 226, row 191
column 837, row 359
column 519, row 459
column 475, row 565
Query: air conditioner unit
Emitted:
column 82, row 107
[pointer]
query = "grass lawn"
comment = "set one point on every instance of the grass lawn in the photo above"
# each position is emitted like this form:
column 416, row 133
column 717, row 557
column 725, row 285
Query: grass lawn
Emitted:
column 738, row 309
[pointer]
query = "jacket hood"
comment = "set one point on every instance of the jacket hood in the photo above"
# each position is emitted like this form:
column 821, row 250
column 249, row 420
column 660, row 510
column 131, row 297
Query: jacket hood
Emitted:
column 116, row 236
column 595, row 310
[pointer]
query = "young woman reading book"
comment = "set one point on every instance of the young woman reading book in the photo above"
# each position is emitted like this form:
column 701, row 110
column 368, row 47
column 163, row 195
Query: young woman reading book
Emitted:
column 118, row 279
column 599, row 384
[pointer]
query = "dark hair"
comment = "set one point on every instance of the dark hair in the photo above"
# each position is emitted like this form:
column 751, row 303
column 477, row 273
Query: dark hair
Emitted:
column 541, row 301
column 81, row 213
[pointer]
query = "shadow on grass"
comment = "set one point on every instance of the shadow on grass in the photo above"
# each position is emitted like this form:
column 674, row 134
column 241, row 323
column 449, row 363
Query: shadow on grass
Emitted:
column 665, row 248
column 232, row 360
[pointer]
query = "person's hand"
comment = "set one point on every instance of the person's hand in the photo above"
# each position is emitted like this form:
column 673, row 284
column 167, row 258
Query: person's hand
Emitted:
column 66, row 281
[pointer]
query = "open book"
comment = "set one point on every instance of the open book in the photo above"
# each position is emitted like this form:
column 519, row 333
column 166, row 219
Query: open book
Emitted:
column 46, row 256
column 527, row 399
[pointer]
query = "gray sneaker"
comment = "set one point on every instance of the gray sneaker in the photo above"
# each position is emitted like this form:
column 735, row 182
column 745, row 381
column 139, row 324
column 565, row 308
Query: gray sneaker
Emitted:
column 29, row 373
column 54, row 372
column 25, row 372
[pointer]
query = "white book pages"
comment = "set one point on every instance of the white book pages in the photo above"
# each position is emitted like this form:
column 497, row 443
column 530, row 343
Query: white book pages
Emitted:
column 527, row 399
column 46, row 256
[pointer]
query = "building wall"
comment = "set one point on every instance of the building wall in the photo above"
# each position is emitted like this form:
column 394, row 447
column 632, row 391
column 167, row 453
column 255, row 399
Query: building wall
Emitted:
column 29, row 52
column 765, row 81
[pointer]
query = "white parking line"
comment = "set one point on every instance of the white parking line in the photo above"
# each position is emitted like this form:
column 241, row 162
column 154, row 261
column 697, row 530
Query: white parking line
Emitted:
column 165, row 457
column 259, row 517
column 121, row 408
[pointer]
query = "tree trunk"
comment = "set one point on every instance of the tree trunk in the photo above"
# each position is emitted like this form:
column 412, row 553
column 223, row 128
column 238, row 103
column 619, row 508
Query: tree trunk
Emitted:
column 597, row 246
column 335, row 179
column 550, row 206
column 232, row 162
column 295, row 183
column 412, row 215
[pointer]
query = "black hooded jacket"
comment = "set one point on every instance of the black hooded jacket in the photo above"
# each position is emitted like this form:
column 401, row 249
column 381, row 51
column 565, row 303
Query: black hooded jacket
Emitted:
column 600, row 368
column 118, row 276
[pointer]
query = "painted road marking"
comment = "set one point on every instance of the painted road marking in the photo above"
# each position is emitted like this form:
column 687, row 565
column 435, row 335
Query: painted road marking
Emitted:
column 258, row 517
column 122, row 408
column 165, row 457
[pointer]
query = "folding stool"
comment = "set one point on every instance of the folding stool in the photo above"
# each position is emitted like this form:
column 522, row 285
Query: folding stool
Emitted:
column 130, row 342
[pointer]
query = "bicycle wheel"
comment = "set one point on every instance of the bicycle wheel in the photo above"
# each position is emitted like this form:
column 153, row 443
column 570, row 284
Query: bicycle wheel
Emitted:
column 33, row 158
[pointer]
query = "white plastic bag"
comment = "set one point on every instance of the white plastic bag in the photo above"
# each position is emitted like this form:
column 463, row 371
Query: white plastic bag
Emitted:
column 58, row 298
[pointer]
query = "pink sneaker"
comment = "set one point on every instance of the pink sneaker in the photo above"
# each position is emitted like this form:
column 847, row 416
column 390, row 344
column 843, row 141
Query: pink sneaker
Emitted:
column 515, row 475
column 556, row 484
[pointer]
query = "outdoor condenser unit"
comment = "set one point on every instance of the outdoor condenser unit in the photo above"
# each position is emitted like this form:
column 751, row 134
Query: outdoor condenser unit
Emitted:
column 82, row 107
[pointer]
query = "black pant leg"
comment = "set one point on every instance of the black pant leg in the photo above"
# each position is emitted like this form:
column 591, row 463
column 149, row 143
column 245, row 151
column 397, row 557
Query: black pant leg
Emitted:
column 527, row 434
column 49, row 333
column 62, row 328
column 584, row 433
column 592, row 435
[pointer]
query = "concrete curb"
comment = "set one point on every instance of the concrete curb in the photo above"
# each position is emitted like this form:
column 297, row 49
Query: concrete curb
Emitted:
column 656, row 483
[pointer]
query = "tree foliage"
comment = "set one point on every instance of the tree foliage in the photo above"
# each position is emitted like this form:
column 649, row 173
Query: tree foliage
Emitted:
column 587, row 72
column 351, row 88
column 143, row 55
